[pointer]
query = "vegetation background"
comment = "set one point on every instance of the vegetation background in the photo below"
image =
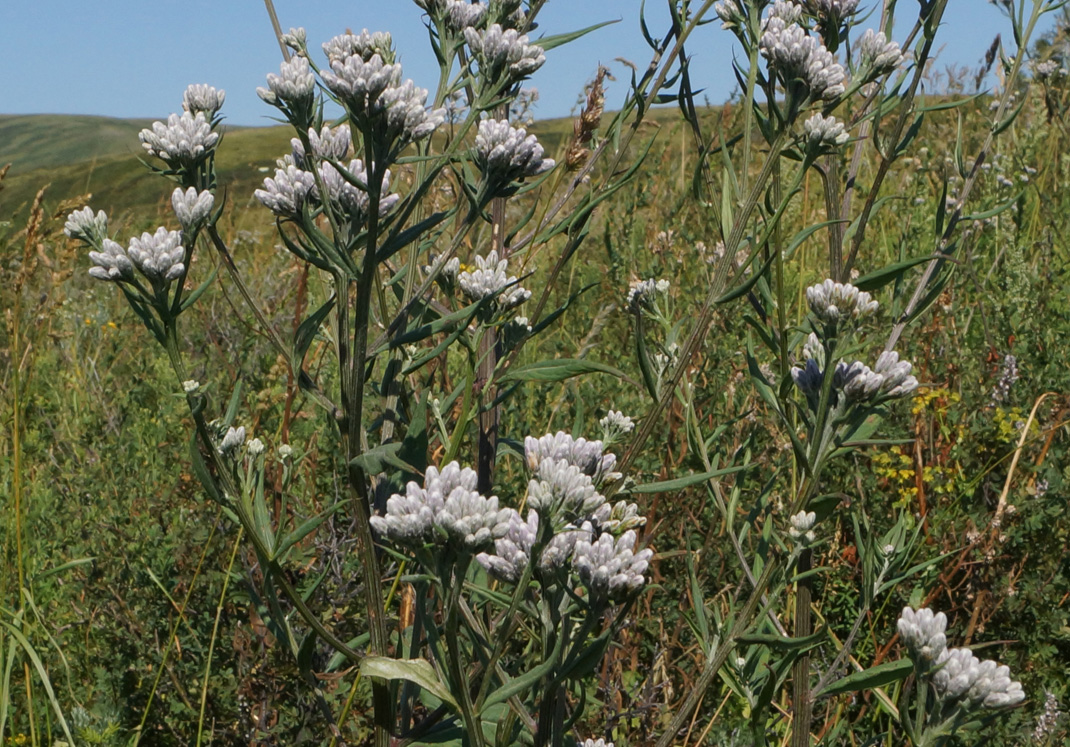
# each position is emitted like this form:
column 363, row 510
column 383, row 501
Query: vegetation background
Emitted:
column 117, row 537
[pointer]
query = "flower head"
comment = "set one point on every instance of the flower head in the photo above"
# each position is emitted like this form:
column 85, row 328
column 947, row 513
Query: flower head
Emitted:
column 923, row 633
column 287, row 192
column 111, row 263
column 192, row 208
column 824, row 132
column 184, row 141
column 589, row 456
column 504, row 53
column 562, row 490
column 294, row 87
column 611, row 569
column 832, row 301
column 83, row 225
column 505, row 153
column 363, row 45
column 350, row 198
column 797, row 56
column 877, row 53
column 897, row 381
column 329, row 142
column 615, row 424
column 801, row 529
column 489, row 279
column 234, row 438
column 158, row 256
column 202, row 98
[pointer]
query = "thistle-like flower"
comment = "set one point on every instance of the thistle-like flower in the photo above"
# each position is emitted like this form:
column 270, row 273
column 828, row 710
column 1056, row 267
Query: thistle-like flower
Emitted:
column 562, row 490
column 505, row 153
column 824, row 132
column 111, row 263
column 158, row 256
column 832, row 301
column 589, row 456
column 185, row 140
column 192, row 208
column 504, row 53
column 923, row 633
column 490, row 280
column 202, row 98
column 877, row 54
column 287, row 192
column 611, row 569
column 86, row 227
column 294, row 87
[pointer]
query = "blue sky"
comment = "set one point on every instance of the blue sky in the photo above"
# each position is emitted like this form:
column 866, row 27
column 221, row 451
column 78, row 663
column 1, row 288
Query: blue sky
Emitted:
column 133, row 58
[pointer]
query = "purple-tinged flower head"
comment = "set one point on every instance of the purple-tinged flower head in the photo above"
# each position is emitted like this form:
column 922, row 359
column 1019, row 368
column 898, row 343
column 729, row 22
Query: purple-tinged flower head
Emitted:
column 111, row 262
column 294, row 88
column 503, row 53
column 204, row 99
column 192, row 208
column 462, row 14
column 332, row 143
column 857, row 381
column 84, row 226
column 877, row 54
column 611, row 569
column 808, row 377
column 505, row 153
column 287, row 192
column 184, row 141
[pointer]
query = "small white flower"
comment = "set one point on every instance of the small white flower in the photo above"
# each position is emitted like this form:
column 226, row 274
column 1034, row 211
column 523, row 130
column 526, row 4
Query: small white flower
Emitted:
column 203, row 98
column 297, row 40
column 512, row 551
column 821, row 131
column 190, row 386
column 490, row 279
column 158, row 256
column 801, row 527
column 615, row 424
column 501, row 51
column 857, row 381
column 183, row 141
column 329, row 142
column 832, row 10
column 349, row 197
column 286, row 452
column 234, row 438
column 618, row 517
column 797, row 56
column 83, row 225
column 461, row 14
column 730, row 13
column 364, row 45
column 877, row 53
column 832, row 301
column 192, row 208
column 256, row 447
column 562, row 490
column 589, row 456
column 1045, row 69
column 111, row 263
column 641, row 294
column 595, row 743
column 897, row 381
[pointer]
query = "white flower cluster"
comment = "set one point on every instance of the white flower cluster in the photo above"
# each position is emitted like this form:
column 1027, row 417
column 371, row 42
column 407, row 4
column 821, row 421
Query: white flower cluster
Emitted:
column 512, row 551
column 461, row 14
column 364, row 76
column 83, row 225
column 286, row 193
column 801, row 529
column 503, row 52
column 159, row 257
column 923, row 633
column 589, row 456
column 641, row 293
column 294, row 87
column 730, row 13
column 595, row 743
column 833, row 10
column 332, row 143
column 797, row 56
column 957, row 675
column 232, row 440
column 832, row 301
column 615, row 424
column 204, row 99
column 447, row 508
column 490, row 279
column 350, row 198
column 192, row 208
column 183, row 141
column 878, row 54
column 1047, row 69
column 561, row 489
column 505, row 153
column 611, row 568
column 821, row 131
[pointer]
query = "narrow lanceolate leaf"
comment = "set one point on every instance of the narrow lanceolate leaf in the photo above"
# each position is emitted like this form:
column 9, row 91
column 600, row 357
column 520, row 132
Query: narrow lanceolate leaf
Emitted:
column 867, row 679
column 559, row 370
column 417, row 671
column 686, row 481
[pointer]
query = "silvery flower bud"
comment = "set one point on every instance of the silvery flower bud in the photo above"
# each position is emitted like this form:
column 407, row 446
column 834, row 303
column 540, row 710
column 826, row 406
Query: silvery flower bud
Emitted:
column 233, row 439
column 618, row 517
column 287, row 192
column 158, row 256
column 824, row 132
column 896, row 374
column 957, row 670
column 611, row 570
column 192, row 208
column 84, row 226
column 801, row 527
column 203, row 98
column 255, row 447
column 364, row 45
column 589, row 456
column 461, row 14
column 470, row 519
column 595, row 743
column 923, row 633
column 190, row 386
column 504, row 51
column 641, row 295
column 561, row 490
column 332, row 143
column 832, row 301
column 182, row 142
column 505, row 153
column 857, row 381
column 286, row 452
column 489, row 279
column 293, row 87
column 877, row 53
column 297, row 40
column 615, row 424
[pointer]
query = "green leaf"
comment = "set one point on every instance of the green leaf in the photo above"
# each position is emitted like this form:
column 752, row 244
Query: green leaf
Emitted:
column 549, row 42
column 417, row 671
column 31, row 653
column 684, row 482
column 307, row 332
column 376, row 461
column 559, row 370
column 306, row 528
column 783, row 643
column 867, row 679
column 877, row 279
column 64, row 567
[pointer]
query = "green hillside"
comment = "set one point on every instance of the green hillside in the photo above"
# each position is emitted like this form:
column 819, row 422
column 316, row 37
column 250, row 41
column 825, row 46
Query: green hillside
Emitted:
column 37, row 141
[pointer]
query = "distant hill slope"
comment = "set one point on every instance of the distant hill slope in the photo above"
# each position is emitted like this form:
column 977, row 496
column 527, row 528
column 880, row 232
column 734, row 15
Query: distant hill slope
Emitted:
column 34, row 141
